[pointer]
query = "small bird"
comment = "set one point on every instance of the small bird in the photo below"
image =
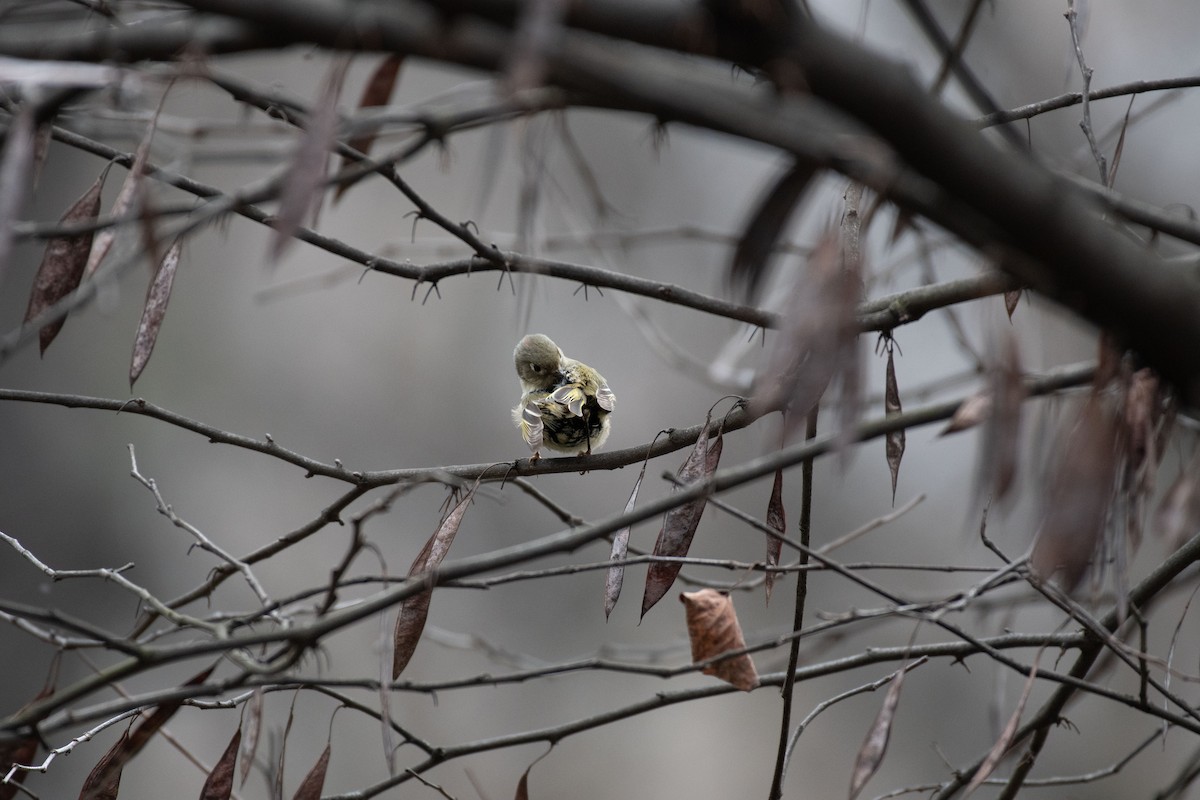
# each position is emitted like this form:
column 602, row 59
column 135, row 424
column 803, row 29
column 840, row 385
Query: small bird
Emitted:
column 564, row 403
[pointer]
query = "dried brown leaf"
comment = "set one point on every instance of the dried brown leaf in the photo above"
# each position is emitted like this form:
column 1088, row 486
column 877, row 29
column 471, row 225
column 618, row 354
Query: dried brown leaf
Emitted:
column 1001, row 434
column 219, row 784
column 523, row 785
column 615, row 576
column 23, row 750
column 104, row 781
column 157, row 296
column 776, row 520
column 679, row 525
column 971, row 412
column 1178, row 516
column 414, row 610
column 1011, row 299
column 874, row 747
column 254, row 717
column 377, row 92
column 894, row 444
column 817, row 341
column 992, row 760
column 1080, row 492
column 766, row 225
column 1120, row 148
column 16, row 171
column 314, row 781
column 1143, row 414
column 63, row 262
column 41, row 148
column 131, row 190
column 300, row 198
column 277, row 782
column 713, row 630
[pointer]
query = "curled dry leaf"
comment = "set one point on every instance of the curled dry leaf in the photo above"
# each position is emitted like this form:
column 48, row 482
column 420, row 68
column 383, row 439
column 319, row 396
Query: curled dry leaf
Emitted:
column 314, row 781
column 894, row 445
column 680, row 523
column 254, row 717
column 713, row 630
column 766, row 226
column 131, row 189
column 1178, row 517
column 63, row 262
column 1001, row 434
column 1080, row 492
column 157, row 296
column 300, row 198
column 817, row 340
column 219, row 784
column 414, row 610
column 377, row 92
column 615, row 576
column 777, row 521
column 970, row 412
column 874, row 747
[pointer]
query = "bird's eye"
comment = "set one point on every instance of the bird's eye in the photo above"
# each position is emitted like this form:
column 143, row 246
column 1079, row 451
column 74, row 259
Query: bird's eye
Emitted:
column 535, row 367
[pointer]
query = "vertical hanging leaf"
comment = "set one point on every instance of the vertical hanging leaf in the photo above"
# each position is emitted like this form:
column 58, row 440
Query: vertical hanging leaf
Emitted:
column 523, row 785
column 105, row 778
column 301, row 195
column 314, row 781
column 415, row 609
column 16, row 170
column 620, row 548
column 776, row 520
column 63, row 262
column 679, row 525
column 870, row 755
column 377, row 92
column 1001, row 435
column 766, row 225
column 1011, row 299
column 1178, row 516
column 254, row 716
column 219, row 784
column 23, row 749
column 104, row 781
column 713, row 629
column 157, row 296
column 131, row 190
column 41, row 147
column 1078, row 498
column 277, row 782
column 894, row 446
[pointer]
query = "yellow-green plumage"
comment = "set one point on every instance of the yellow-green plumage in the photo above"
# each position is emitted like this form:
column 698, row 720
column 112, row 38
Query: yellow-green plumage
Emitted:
column 564, row 403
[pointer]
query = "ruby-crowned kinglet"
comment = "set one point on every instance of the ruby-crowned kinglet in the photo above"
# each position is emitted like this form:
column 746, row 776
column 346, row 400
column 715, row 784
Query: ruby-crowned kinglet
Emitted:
column 564, row 403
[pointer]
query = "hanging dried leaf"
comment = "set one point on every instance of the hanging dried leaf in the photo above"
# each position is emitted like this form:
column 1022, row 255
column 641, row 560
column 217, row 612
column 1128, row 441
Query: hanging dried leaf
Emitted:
column 300, row 198
column 1010, row 301
column 377, row 92
column 414, row 610
column 1178, row 517
column 16, row 170
column 894, row 447
column 523, row 784
column 23, row 750
column 157, row 296
column 713, row 630
column 620, row 549
column 41, row 148
column 1077, row 503
column 1141, row 418
column 64, row 261
column 277, row 778
column 219, row 784
column 104, row 781
column 679, row 525
column 766, row 225
column 971, row 412
column 314, row 781
column 1001, row 434
column 870, row 755
column 776, row 520
column 254, row 716
column 1006, row 736
column 131, row 190
column 1111, row 178
column 106, row 775
column 817, row 341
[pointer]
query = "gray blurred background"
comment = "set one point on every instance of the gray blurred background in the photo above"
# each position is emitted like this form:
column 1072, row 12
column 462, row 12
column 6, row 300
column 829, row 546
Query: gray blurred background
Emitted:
column 337, row 364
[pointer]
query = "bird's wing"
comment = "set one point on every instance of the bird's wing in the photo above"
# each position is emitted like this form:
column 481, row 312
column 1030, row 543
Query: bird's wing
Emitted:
column 529, row 420
column 570, row 395
column 605, row 397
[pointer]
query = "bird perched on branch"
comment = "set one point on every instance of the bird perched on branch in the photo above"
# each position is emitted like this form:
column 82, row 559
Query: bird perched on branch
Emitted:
column 564, row 403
